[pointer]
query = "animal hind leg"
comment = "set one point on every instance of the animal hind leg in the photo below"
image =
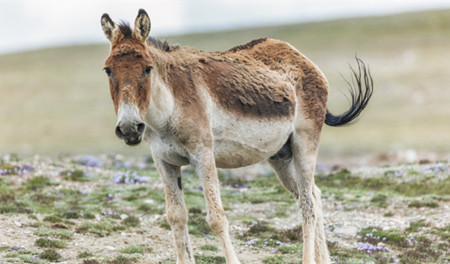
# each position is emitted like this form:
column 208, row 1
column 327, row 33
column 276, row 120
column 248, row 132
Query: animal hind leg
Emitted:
column 177, row 215
column 305, row 142
column 296, row 172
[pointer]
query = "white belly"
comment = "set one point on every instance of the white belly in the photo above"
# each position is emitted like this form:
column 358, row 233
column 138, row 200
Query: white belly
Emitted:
column 243, row 141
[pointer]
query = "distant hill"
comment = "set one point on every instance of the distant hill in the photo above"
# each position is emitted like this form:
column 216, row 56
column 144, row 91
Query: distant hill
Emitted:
column 57, row 100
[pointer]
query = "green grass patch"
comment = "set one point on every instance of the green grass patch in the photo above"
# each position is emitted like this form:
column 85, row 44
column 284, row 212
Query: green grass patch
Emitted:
column 422, row 253
column 58, row 233
column 90, row 261
column 75, row 175
column 207, row 259
column 122, row 260
column 415, row 226
column 131, row 221
column 132, row 250
column 266, row 233
column 423, row 203
column 100, row 229
column 49, row 243
column 443, row 232
column 37, row 183
column 345, row 179
column 209, row 247
column 197, row 225
column 51, row 255
column 374, row 235
column 354, row 256
column 379, row 200
column 85, row 254
column 388, row 214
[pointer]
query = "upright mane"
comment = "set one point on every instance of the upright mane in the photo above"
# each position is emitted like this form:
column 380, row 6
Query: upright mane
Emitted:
column 161, row 45
column 126, row 31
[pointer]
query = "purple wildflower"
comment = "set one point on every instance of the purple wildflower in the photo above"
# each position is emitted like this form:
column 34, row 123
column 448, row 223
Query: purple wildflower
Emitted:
column 366, row 246
column 128, row 178
column 16, row 248
column 90, row 161
column 111, row 196
column 252, row 242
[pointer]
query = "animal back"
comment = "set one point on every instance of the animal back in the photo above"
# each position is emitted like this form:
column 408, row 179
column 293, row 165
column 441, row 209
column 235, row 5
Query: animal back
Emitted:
column 250, row 91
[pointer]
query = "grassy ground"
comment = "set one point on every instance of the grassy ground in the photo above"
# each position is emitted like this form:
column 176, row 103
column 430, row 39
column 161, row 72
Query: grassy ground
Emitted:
column 57, row 100
column 110, row 209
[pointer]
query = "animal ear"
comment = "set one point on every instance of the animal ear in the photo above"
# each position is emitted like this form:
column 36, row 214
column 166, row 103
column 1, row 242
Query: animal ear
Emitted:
column 109, row 27
column 142, row 26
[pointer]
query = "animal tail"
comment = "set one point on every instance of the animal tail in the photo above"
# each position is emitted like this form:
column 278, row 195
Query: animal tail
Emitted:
column 359, row 96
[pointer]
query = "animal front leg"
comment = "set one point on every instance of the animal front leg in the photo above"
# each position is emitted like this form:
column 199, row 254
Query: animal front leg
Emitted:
column 205, row 167
column 177, row 214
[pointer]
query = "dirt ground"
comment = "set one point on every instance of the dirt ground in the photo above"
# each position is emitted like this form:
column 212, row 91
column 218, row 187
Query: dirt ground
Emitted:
column 347, row 211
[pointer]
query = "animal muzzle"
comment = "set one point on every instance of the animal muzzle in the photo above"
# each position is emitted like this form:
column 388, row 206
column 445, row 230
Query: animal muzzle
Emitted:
column 129, row 126
column 130, row 132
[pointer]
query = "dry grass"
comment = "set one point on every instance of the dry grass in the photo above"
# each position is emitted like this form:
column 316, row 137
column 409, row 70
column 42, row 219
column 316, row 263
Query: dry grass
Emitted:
column 57, row 100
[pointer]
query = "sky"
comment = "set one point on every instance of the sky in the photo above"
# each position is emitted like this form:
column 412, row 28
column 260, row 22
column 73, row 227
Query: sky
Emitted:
column 28, row 25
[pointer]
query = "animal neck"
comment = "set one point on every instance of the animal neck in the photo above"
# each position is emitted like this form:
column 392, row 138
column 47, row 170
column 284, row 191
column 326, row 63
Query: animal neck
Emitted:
column 161, row 105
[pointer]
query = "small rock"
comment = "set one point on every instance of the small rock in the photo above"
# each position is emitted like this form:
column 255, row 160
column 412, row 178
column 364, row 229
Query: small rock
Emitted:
column 17, row 224
column 346, row 231
column 110, row 248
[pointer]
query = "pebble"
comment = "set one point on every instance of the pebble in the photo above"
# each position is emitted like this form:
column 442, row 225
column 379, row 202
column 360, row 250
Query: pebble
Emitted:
column 346, row 231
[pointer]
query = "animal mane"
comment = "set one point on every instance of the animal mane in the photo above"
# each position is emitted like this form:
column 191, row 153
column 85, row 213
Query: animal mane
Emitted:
column 125, row 29
column 127, row 32
column 161, row 45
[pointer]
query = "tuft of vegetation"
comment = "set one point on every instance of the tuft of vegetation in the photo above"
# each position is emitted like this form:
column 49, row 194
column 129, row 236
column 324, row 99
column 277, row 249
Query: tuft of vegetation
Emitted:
column 90, row 261
column 49, row 243
column 379, row 200
column 85, row 254
column 263, row 231
column 131, row 221
column 58, row 233
column 209, row 247
column 443, row 232
column 132, row 250
column 374, row 235
column 37, row 183
column 100, row 229
column 206, row 259
column 51, row 255
column 53, row 219
column 388, row 214
column 197, row 225
column 415, row 226
column 345, row 179
column 423, row 203
column 123, row 260
column 422, row 253
column 74, row 175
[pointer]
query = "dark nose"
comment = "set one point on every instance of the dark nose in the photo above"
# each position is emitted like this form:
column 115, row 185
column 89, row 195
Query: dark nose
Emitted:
column 130, row 132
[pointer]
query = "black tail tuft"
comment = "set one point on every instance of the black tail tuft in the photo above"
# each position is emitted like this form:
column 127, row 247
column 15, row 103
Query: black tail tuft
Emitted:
column 359, row 96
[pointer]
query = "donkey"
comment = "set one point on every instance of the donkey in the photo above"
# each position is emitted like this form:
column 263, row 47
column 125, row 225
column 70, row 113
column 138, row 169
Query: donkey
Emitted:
column 259, row 101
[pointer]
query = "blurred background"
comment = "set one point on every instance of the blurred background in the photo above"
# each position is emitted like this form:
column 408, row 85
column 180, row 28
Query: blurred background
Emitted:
column 54, row 96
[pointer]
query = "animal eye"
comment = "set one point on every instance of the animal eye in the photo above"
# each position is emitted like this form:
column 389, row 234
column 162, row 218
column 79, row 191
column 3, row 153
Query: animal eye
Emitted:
column 108, row 71
column 148, row 69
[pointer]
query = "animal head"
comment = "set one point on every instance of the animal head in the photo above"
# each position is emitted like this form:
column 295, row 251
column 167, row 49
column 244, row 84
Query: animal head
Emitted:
column 128, row 68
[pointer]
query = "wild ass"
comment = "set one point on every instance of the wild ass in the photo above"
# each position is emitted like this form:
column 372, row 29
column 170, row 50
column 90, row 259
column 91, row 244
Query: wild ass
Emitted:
column 259, row 101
